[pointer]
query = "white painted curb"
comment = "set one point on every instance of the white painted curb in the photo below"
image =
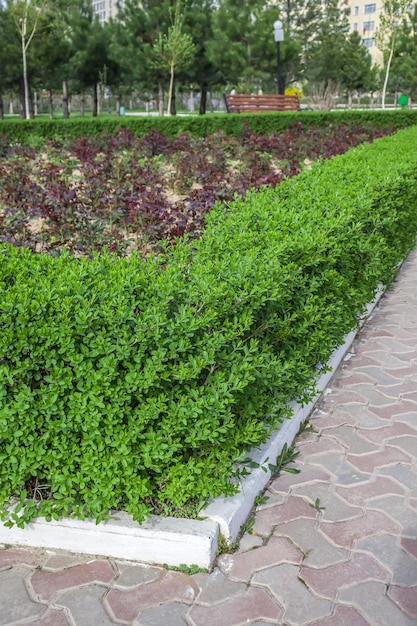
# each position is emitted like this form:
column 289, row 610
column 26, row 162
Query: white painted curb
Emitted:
column 158, row 540
column 170, row 540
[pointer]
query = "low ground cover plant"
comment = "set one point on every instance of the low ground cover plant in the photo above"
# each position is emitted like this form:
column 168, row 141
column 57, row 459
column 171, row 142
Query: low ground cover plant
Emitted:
column 136, row 383
column 135, row 193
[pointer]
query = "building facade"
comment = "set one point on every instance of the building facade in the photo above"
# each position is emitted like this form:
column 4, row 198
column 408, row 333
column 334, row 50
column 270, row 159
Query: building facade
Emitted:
column 364, row 19
column 106, row 9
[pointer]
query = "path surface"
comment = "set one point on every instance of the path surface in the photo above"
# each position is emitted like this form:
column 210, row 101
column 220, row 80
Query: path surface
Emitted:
column 333, row 545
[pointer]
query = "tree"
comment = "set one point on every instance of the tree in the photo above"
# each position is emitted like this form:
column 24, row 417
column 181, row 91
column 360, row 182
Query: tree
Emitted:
column 391, row 13
column 143, row 21
column 92, row 63
column 405, row 58
column 201, row 73
column 10, row 56
column 357, row 66
column 174, row 49
column 243, row 47
column 26, row 15
column 324, row 59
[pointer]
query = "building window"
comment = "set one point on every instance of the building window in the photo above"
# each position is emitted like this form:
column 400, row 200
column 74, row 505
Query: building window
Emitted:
column 370, row 8
column 355, row 10
column 368, row 42
column 355, row 26
column 369, row 25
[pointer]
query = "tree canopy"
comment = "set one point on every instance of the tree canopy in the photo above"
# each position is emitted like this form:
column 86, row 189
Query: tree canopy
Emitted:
column 156, row 46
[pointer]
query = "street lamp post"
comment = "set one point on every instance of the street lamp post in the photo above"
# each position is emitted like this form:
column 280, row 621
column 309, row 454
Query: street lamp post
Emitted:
column 278, row 37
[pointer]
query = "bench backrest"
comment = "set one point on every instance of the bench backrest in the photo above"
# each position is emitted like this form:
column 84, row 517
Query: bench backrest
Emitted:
column 257, row 103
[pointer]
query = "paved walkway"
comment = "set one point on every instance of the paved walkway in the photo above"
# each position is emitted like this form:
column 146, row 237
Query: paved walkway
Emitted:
column 333, row 545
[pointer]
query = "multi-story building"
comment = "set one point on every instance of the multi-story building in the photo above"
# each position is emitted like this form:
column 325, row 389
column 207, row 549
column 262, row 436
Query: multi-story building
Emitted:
column 105, row 9
column 364, row 19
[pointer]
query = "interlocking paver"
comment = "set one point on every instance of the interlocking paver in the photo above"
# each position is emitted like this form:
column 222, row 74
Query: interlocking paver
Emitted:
column 337, row 465
column 131, row 575
column 395, row 507
column 393, row 410
column 397, row 429
column 300, row 605
column 170, row 614
column 242, row 566
column 216, row 587
column 323, row 445
column 54, row 617
column 249, row 541
column 288, row 481
column 410, row 545
column 362, row 494
column 386, row 549
column 388, row 456
column 405, row 598
column 85, row 605
column 371, row 600
column 351, row 439
column 361, row 415
column 125, row 605
column 346, row 534
column 317, row 550
column 404, row 474
column 15, row 603
column 332, row 507
column 56, row 562
column 328, row 581
column 46, row 584
column 406, row 443
column 378, row 375
column 14, row 556
column 255, row 604
column 343, row 616
column 267, row 519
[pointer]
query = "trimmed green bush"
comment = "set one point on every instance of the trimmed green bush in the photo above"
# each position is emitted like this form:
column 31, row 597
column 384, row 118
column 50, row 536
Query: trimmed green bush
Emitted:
column 35, row 131
column 137, row 384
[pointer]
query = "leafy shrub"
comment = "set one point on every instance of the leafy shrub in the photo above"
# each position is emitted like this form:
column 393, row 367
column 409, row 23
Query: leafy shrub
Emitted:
column 131, row 384
column 36, row 131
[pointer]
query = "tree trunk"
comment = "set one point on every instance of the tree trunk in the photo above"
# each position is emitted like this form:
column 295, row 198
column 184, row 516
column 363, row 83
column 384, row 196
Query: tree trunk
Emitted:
column 160, row 98
column 31, row 107
column 173, row 107
column 11, row 105
column 51, row 104
column 95, row 100
column 349, row 102
column 1, row 106
column 99, row 98
column 82, row 105
column 203, row 100
column 192, row 103
column 65, row 102
column 118, row 100
column 22, row 110
column 25, row 70
column 171, row 86
column 384, row 89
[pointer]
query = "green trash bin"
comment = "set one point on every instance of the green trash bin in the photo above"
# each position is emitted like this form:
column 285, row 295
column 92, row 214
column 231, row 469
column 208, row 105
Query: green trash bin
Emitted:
column 403, row 100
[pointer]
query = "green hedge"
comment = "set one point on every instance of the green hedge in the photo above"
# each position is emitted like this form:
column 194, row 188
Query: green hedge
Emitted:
column 126, row 384
column 23, row 131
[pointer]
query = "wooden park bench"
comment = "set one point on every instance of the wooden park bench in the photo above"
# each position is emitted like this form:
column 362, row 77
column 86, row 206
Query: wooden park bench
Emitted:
column 259, row 103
